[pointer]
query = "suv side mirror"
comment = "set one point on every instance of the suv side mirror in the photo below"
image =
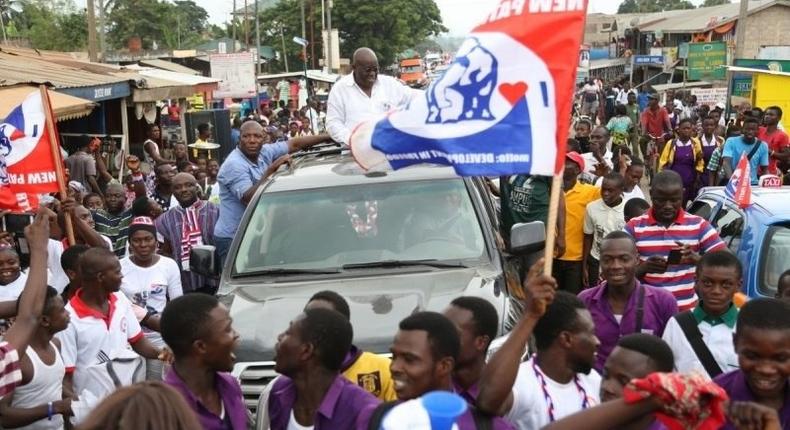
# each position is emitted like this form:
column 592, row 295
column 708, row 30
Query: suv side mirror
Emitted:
column 527, row 237
column 203, row 261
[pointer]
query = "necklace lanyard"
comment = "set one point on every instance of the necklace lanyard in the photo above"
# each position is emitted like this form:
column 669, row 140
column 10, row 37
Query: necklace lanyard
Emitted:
column 547, row 396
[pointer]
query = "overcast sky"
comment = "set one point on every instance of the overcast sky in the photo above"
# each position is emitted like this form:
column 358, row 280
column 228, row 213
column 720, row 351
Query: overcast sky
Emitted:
column 459, row 16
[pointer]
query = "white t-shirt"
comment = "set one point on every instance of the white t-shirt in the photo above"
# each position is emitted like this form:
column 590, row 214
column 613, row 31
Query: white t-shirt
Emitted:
column 718, row 339
column 151, row 287
column 89, row 339
column 530, row 408
column 600, row 220
column 14, row 289
column 293, row 425
column 635, row 193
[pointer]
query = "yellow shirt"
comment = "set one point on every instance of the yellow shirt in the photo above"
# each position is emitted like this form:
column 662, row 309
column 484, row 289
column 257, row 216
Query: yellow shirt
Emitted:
column 372, row 373
column 576, row 201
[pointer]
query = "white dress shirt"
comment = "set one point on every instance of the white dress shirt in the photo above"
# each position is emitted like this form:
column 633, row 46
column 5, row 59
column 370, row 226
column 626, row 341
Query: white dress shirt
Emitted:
column 717, row 337
column 348, row 105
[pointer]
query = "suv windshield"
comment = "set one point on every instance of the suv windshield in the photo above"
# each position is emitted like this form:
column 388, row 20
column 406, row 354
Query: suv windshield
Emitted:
column 329, row 228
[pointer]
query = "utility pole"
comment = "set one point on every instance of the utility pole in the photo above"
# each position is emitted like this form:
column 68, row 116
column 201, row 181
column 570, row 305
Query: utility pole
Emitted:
column 323, row 33
column 329, row 35
column 304, row 33
column 102, row 33
column 246, row 27
column 233, row 24
column 285, row 56
column 92, row 31
column 740, row 29
column 257, row 41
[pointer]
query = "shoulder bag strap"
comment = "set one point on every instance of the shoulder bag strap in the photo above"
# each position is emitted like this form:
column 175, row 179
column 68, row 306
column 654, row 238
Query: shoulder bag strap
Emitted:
column 640, row 309
column 483, row 421
column 689, row 326
column 754, row 150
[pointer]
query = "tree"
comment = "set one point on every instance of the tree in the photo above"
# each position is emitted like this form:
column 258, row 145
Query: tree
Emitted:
column 172, row 25
column 650, row 6
column 40, row 20
column 714, row 3
column 386, row 26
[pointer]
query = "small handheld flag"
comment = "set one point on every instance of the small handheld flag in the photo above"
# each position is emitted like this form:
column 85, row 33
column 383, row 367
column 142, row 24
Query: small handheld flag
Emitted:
column 739, row 187
column 503, row 105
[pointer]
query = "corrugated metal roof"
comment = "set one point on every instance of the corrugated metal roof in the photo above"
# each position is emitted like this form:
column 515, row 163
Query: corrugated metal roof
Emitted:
column 169, row 66
column 702, row 19
column 18, row 69
column 181, row 78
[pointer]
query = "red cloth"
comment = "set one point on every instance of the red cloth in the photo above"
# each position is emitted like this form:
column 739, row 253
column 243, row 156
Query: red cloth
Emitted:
column 777, row 141
column 689, row 401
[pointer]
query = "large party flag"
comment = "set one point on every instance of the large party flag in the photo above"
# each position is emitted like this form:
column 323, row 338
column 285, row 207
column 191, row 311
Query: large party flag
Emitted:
column 502, row 107
column 27, row 164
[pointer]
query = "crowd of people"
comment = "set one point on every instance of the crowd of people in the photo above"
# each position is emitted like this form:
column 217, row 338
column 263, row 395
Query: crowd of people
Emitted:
column 642, row 318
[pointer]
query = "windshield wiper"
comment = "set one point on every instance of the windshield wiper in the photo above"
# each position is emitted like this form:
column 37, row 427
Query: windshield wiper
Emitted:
column 404, row 263
column 286, row 271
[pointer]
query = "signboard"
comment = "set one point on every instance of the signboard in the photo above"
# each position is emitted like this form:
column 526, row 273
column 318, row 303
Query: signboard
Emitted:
column 705, row 61
column 710, row 96
column 99, row 92
column 644, row 60
column 237, row 75
column 775, row 65
column 683, row 51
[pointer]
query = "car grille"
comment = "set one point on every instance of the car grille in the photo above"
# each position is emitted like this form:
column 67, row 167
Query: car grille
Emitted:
column 253, row 378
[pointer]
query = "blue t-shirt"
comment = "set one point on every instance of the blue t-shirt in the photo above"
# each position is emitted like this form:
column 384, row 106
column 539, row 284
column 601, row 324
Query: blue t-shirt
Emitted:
column 735, row 146
column 236, row 176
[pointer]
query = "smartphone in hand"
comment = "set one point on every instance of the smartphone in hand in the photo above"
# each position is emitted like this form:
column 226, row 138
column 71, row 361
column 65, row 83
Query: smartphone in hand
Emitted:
column 674, row 256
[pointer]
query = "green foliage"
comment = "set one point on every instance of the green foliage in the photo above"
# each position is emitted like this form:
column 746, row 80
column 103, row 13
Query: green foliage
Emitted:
column 386, row 26
column 649, row 6
column 714, row 2
column 51, row 25
column 181, row 24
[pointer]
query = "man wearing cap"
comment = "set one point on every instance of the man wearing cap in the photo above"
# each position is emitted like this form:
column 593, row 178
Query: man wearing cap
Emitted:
column 568, row 267
column 244, row 170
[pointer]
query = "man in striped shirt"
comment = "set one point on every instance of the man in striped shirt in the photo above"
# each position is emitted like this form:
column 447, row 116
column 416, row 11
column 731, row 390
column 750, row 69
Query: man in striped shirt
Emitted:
column 667, row 227
column 114, row 221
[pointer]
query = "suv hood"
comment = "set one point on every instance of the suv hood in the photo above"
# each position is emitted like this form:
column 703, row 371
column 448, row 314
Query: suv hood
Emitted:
column 378, row 303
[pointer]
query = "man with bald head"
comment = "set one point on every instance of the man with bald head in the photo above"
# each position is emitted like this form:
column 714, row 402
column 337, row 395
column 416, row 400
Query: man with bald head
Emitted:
column 362, row 95
column 185, row 225
column 246, row 169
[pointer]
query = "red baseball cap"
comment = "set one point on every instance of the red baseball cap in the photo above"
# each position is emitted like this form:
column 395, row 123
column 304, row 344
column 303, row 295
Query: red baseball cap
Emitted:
column 576, row 158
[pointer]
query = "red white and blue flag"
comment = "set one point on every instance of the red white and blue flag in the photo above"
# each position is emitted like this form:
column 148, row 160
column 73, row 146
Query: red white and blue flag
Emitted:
column 739, row 188
column 502, row 107
column 27, row 167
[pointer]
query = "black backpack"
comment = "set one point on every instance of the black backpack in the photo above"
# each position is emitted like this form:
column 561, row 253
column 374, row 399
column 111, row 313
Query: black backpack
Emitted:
column 482, row 421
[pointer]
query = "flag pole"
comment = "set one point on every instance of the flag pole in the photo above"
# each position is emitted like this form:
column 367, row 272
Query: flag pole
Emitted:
column 551, row 228
column 54, row 145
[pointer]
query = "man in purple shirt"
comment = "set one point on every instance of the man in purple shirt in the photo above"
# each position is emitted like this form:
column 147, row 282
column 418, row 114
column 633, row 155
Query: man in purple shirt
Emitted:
column 424, row 353
column 762, row 342
column 622, row 305
column 311, row 392
column 197, row 328
column 477, row 322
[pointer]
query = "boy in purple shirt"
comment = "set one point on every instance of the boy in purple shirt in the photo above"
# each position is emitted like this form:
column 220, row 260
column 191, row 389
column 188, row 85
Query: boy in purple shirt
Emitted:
column 311, row 393
column 198, row 329
column 622, row 305
column 424, row 353
column 762, row 342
